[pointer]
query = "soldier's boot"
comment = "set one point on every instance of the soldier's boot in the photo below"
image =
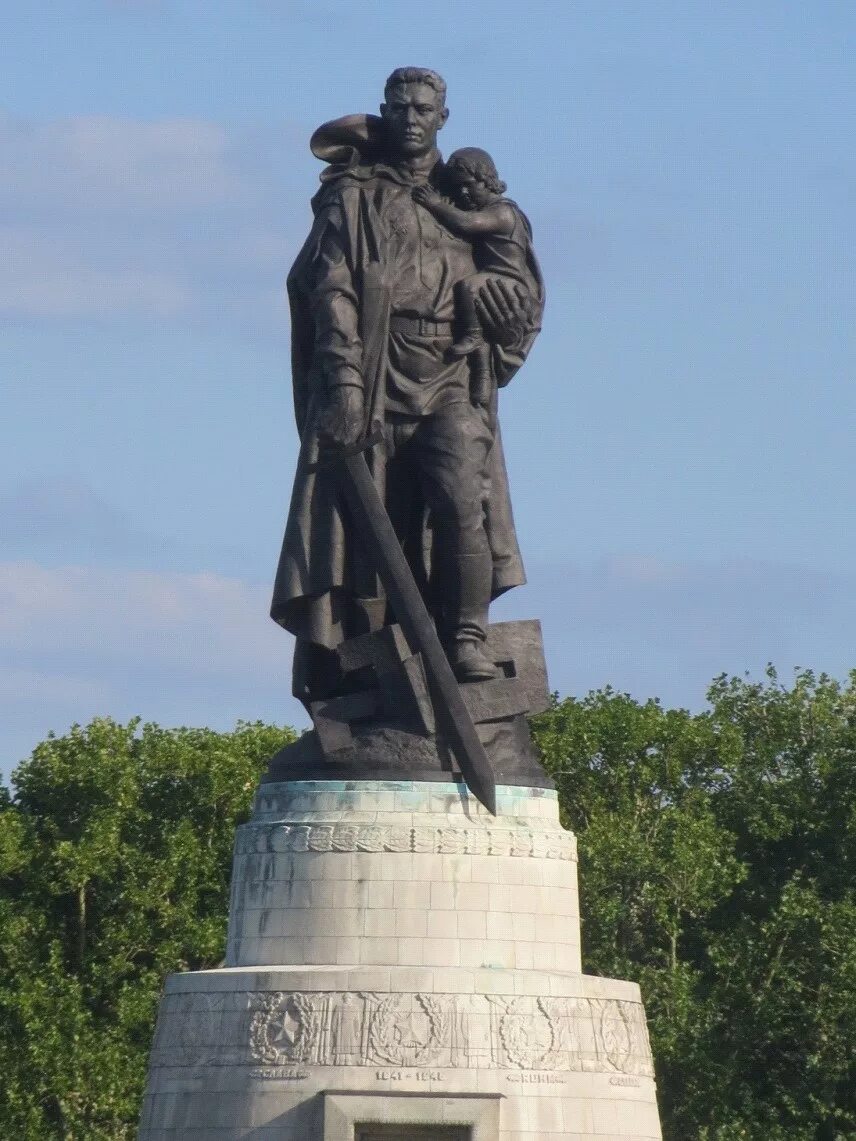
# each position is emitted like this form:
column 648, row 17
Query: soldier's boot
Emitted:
column 466, row 602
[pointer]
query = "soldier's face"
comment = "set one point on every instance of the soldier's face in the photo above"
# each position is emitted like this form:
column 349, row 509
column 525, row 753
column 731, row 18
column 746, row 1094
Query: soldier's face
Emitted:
column 413, row 114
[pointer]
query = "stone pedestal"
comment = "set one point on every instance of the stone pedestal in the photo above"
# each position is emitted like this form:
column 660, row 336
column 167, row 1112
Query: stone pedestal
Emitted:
column 398, row 958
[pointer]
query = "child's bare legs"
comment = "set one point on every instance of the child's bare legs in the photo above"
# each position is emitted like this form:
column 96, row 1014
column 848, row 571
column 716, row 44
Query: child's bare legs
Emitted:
column 471, row 342
column 471, row 336
column 481, row 380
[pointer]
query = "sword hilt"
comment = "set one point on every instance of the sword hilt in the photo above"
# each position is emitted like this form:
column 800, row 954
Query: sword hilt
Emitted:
column 339, row 455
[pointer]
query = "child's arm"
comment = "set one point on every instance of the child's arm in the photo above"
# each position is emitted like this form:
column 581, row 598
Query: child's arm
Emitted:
column 495, row 219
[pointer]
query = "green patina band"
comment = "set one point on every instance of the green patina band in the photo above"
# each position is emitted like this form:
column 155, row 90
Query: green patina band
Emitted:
column 426, row 788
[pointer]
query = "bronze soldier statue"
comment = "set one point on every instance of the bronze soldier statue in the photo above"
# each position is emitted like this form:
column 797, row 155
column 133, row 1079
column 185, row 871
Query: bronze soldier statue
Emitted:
column 376, row 338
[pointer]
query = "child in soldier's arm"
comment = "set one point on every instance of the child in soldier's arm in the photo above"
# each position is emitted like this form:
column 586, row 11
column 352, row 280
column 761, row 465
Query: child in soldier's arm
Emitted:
column 501, row 241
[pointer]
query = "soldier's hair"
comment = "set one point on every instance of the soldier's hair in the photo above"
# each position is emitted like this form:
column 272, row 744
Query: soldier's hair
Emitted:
column 478, row 164
column 424, row 75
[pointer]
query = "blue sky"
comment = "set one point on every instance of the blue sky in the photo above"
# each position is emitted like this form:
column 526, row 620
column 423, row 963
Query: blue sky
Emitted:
column 680, row 442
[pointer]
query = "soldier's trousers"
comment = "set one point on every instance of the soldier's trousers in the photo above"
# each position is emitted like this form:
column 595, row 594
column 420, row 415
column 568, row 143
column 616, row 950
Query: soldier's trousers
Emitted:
column 439, row 464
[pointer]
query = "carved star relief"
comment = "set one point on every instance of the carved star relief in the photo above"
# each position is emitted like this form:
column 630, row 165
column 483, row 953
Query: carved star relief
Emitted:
column 286, row 1028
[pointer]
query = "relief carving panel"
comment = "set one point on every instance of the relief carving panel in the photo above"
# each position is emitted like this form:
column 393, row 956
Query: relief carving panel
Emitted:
column 516, row 1033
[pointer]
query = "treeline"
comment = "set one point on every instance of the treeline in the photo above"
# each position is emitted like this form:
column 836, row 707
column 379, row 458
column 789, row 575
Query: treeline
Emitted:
column 718, row 868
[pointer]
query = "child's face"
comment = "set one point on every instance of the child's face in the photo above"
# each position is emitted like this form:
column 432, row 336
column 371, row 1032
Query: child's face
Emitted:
column 469, row 192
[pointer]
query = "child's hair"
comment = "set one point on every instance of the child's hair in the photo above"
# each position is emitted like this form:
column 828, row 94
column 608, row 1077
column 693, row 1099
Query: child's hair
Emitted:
column 477, row 163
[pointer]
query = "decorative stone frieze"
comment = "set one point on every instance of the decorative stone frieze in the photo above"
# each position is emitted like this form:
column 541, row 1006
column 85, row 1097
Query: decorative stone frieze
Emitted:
column 410, row 1029
column 548, row 844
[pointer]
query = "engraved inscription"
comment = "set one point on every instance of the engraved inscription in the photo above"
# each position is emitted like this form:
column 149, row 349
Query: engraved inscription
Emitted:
column 537, row 1079
column 409, row 1075
column 279, row 1073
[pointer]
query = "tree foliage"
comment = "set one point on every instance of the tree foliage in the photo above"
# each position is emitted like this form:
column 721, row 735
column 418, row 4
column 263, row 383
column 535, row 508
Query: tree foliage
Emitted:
column 717, row 866
column 115, row 856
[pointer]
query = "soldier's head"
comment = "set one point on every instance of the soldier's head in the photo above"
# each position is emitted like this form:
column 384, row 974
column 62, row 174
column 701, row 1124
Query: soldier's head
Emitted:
column 414, row 110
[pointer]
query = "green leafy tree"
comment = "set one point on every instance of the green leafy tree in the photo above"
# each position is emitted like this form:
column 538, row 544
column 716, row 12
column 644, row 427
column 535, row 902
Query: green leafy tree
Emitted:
column 718, row 868
column 115, row 857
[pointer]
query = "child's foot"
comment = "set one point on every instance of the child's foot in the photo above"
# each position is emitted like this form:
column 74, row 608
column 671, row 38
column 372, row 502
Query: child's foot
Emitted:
column 467, row 345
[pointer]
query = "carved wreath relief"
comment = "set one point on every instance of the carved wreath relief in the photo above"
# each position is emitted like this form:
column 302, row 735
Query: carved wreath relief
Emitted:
column 457, row 1031
column 409, row 1030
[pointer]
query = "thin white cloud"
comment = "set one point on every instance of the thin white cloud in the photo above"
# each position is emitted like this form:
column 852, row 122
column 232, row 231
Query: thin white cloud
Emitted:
column 79, row 642
column 21, row 685
column 642, row 569
column 59, row 519
column 197, row 622
column 103, row 162
column 59, row 511
column 664, row 628
column 748, row 591
column 177, row 219
column 45, row 275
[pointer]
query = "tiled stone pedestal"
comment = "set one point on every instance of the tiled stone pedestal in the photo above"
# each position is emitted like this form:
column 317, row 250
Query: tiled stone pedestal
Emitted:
column 396, row 954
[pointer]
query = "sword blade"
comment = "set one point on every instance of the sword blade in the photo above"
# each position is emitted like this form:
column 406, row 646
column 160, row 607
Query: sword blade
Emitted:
column 378, row 535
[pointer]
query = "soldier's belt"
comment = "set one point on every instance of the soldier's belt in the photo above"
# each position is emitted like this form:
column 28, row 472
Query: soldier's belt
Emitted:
column 419, row 326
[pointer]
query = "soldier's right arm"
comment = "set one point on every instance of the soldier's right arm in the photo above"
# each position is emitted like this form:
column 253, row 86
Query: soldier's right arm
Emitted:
column 338, row 350
column 338, row 354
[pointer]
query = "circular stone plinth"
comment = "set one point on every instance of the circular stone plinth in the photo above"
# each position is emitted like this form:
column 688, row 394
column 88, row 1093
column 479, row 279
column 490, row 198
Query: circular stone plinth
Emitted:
column 404, row 873
column 242, row 1053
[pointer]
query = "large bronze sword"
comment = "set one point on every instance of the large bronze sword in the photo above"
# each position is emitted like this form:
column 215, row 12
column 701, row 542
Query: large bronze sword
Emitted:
column 377, row 534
